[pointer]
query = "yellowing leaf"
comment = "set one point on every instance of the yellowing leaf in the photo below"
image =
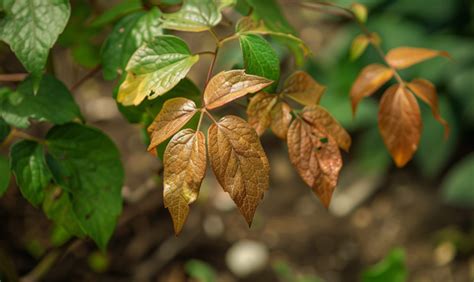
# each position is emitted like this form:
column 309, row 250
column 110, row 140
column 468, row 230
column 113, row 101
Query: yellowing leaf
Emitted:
column 359, row 44
column 426, row 91
column 175, row 114
column 371, row 78
column 302, row 88
column 184, row 169
column 404, row 57
column 281, row 119
column 318, row 116
column 360, row 12
column 400, row 123
column 258, row 111
column 316, row 157
column 227, row 86
column 239, row 163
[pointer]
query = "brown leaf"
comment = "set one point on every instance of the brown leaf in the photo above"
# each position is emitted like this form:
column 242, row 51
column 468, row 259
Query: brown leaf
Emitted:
column 426, row 91
column 303, row 89
column 404, row 57
column 239, row 163
column 317, row 115
column 227, row 86
column 400, row 123
column 316, row 157
column 371, row 78
column 184, row 169
column 281, row 119
column 175, row 114
column 258, row 111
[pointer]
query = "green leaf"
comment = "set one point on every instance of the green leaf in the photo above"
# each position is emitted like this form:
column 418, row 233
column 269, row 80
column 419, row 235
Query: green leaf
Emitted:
column 155, row 68
column 53, row 103
column 29, row 167
column 196, row 15
column 260, row 58
column 4, row 175
column 86, row 164
column 116, row 12
column 457, row 185
column 128, row 34
column 390, row 269
column 32, row 27
column 200, row 271
column 86, row 55
column 4, row 130
column 58, row 207
column 269, row 11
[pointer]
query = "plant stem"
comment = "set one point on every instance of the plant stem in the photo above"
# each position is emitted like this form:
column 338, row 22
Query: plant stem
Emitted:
column 210, row 116
column 12, row 77
column 212, row 53
column 200, row 120
column 15, row 133
column 211, row 67
column 86, row 77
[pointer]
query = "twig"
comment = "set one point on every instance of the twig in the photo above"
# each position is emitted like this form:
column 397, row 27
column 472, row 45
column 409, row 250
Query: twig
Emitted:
column 86, row 77
column 13, row 77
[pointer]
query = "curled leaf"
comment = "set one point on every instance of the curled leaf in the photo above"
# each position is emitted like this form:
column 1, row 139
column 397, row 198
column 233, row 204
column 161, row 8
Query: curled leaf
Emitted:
column 184, row 169
column 371, row 78
column 175, row 114
column 426, row 91
column 258, row 111
column 239, row 163
column 316, row 157
column 404, row 57
column 302, row 88
column 227, row 86
column 358, row 46
column 318, row 116
column 400, row 123
column 281, row 119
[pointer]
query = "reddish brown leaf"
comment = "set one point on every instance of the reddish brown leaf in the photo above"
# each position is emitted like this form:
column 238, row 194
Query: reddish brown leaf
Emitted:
column 227, row 86
column 426, row 91
column 175, row 114
column 239, row 163
column 317, row 115
column 371, row 78
column 184, row 169
column 316, row 157
column 400, row 123
column 404, row 57
column 258, row 111
column 302, row 88
column 281, row 119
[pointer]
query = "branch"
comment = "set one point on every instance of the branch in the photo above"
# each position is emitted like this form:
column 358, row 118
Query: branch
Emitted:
column 12, row 77
column 86, row 77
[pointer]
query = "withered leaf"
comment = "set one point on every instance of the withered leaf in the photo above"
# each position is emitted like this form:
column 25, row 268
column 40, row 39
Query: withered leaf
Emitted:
column 184, row 169
column 400, row 123
column 239, row 163
column 227, row 86
column 302, row 88
column 258, row 111
column 371, row 78
column 281, row 119
column 404, row 57
column 317, row 115
column 175, row 114
column 316, row 157
column 426, row 91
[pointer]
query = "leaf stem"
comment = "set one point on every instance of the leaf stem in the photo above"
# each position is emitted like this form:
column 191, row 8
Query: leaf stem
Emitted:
column 212, row 53
column 228, row 38
column 15, row 133
column 210, row 115
column 12, row 77
column 86, row 77
column 200, row 120
column 214, row 35
column 211, row 67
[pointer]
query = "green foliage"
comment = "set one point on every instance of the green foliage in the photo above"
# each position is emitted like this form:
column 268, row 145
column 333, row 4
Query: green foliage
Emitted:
column 19, row 106
column 457, row 186
column 29, row 167
column 4, row 174
column 116, row 12
column 269, row 11
column 390, row 269
column 86, row 165
column 32, row 27
column 98, row 261
column 128, row 34
column 4, row 129
column 260, row 58
column 200, row 271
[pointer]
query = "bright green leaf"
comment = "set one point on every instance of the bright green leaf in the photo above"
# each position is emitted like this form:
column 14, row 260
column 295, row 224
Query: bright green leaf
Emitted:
column 4, row 175
column 29, row 167
column 32, row 27
column 196, row 15
column 260, row 59
column 390, row 269
column 155, row 68
column 116, row 12
column 128, row 34
column 86, row 164
column 86, row 55
column 200, row 271
column 53, row 103
column 457, row 185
